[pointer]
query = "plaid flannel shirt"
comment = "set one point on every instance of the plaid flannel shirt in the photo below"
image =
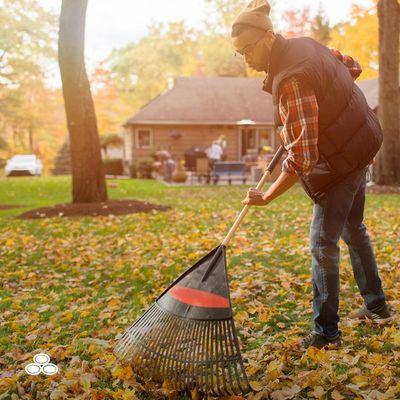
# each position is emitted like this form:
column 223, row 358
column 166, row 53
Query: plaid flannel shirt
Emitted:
column 298, row 109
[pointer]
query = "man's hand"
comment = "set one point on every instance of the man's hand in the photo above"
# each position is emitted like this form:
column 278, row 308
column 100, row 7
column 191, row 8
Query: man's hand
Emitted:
column 259, row 198
column 255, row 197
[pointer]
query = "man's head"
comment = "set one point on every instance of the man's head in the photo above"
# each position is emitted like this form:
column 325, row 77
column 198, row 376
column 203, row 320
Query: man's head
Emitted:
column 253, row 36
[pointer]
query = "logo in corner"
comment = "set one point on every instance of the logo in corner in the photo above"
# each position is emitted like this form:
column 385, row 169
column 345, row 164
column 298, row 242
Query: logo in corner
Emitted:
column 41, row 364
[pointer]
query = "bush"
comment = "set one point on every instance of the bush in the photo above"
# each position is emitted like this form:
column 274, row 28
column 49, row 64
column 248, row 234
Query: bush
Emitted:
column 145, row 168
column 113, row 166
column 133, row 171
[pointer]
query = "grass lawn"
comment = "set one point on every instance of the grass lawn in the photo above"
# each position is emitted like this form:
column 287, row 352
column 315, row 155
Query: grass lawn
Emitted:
column 70, row 285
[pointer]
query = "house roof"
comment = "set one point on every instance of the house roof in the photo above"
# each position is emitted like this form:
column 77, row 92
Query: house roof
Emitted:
column 370, row 89
column 211, row 100
column 220, row 101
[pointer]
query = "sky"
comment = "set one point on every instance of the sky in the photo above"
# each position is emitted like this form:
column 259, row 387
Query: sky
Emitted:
column 112, row 24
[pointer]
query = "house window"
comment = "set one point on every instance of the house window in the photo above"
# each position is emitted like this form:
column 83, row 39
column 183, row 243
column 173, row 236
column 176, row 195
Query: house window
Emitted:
column 144, row 138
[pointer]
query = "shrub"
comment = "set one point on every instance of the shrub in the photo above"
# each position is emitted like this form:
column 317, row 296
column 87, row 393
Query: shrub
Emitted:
column 133, row 170
column 113, row 166
column 145, row 168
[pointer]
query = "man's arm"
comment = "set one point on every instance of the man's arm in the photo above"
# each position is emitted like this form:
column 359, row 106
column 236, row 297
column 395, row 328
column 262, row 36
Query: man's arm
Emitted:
column 259, row 198
column 298, row 109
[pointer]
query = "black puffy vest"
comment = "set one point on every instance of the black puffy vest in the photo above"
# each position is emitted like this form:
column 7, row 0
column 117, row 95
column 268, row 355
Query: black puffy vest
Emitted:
column 349, row 134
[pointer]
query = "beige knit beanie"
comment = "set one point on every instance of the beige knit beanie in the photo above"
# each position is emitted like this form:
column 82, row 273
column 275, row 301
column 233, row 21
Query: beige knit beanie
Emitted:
column 255, row 14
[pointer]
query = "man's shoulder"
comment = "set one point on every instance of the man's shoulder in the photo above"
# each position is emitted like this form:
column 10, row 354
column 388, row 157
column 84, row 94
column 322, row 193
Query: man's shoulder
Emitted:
column 291, row 84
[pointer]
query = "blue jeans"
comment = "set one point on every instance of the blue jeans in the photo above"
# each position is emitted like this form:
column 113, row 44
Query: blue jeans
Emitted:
column 340, row 214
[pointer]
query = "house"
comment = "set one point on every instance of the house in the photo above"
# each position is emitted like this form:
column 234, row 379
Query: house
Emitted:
column 196, row 110
column 370, row 89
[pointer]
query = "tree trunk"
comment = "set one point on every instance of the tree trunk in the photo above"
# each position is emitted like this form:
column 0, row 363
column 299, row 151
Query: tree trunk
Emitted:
column 88, row 180
column 387, row 166
column 30, row 135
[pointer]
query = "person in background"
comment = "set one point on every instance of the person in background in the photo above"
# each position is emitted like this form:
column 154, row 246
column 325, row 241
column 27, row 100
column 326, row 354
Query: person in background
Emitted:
column 222, row 142
column 214, row 154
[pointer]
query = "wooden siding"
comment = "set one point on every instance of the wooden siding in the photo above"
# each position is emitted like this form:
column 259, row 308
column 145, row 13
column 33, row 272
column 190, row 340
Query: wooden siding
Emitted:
column 195, row 135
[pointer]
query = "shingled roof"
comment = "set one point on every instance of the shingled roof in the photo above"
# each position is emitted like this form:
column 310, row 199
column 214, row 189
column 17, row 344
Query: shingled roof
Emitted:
column 220, row 100
column 211, row 100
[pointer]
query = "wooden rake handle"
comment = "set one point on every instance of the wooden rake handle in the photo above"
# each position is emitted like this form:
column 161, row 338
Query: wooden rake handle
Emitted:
column 259, row 186
column 242, row 214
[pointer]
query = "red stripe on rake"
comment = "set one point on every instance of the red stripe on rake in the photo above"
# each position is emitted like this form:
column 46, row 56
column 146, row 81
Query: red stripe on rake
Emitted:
column 198, row 298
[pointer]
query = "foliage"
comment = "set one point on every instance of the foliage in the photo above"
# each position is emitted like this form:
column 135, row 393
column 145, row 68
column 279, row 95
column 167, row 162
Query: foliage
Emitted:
column 359, row 39
column 27, row 41
column 141, row 70
column 69, row 286
column 219, row 58
column 321, row 30
column 221, row 13
column 111, row 108
column 145, row 168
column 297, row 22
column 133, row 75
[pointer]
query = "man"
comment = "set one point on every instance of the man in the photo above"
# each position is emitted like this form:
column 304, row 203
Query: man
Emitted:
column 331, row 136
column 221, row 141
column 214, row 154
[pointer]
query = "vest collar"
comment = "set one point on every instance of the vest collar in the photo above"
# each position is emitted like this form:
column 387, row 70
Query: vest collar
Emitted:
column 278, row 48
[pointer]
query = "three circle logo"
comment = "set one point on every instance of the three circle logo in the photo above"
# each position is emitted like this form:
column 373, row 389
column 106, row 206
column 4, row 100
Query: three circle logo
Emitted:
column 41, row 364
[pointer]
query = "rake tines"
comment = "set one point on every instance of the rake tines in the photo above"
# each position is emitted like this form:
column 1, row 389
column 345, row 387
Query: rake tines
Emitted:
column 188, row 353
column 188, row 336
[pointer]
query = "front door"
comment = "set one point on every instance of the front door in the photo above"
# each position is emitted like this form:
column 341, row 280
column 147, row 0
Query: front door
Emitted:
column 248, row 141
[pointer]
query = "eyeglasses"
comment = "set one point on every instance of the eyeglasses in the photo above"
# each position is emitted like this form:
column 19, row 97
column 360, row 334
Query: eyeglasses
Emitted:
column 247, row 49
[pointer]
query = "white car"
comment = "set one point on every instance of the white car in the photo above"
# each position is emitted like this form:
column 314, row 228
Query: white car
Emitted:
column 24, row 164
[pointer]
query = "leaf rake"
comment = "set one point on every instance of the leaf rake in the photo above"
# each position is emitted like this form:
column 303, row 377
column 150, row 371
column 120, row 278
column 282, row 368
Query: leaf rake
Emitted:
column 188, row 336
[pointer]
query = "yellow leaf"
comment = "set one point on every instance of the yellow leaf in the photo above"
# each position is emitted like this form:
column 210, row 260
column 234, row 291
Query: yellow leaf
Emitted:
column 256, row 386
column 262, row 314
column 308, row 378
column 241, row 316
column 318, row 392
column 84, row 314
column 273, row 370
column 123, row 373
column 92, row 348
column 360, row 380
column 168, row 385
column 113, row 302
column 253, row 368
column 129, row 395
column 67, row 317
column 396, row 338
column 376, row 345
